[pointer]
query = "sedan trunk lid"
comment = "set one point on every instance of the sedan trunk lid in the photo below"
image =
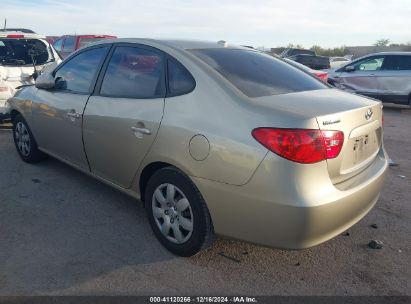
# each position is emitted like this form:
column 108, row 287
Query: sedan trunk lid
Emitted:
column 359, row 118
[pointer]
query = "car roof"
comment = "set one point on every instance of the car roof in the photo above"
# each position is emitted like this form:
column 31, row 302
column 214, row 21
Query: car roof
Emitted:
column 88, row 35
column 4, row 34
column 177, row 43
column 22, row 30
column 389, row 53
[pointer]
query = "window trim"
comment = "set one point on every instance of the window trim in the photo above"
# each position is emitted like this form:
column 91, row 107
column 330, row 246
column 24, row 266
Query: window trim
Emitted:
column 168, row 93
column 98, row 70
column 99, row 82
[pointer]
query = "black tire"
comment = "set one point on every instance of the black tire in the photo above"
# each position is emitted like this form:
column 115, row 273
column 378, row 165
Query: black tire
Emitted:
column 30, row 153
column 202, row 234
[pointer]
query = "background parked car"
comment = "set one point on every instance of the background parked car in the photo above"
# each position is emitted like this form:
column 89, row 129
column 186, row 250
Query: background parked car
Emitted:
column 22, row 52
column 308, row 58
column 385, row 76
column 323, row 75
column 67, row 44
column 336, row 62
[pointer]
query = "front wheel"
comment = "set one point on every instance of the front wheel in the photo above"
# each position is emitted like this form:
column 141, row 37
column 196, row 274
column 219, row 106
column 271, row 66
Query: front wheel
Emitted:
column 24, row 141
column 177, row 212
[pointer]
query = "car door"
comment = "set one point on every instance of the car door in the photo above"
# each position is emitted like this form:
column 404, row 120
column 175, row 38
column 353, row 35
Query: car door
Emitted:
column 395, row 81
column 123, row 116
column 362, row 78
column 58, row 113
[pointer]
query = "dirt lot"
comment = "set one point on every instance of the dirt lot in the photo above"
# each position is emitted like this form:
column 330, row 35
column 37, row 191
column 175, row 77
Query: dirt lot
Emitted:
column 63, row 233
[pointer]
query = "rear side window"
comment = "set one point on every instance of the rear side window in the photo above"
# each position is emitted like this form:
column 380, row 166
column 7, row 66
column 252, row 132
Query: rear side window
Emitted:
column 180, row 81
column 257, row 74
column 134, row 73
column 69, row 44
column 397, row 63
column 77, row 74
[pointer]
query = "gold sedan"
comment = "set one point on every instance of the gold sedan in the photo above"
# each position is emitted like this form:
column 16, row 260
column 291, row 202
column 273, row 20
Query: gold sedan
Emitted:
column 212, row 138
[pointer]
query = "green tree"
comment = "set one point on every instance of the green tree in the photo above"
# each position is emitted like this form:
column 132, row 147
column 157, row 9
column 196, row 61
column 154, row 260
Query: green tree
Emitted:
column 382, row 42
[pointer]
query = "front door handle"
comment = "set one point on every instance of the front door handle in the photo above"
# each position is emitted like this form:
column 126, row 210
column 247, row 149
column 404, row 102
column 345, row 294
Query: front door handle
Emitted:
column 140, row 131
column 73, row 115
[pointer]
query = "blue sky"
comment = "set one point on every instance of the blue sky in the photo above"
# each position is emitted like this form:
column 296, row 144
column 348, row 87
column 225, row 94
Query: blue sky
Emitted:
column 266, row 23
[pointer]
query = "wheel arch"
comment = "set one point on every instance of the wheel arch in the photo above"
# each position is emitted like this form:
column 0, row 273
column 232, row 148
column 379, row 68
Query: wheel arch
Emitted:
column 147, row 172
column 13, row 114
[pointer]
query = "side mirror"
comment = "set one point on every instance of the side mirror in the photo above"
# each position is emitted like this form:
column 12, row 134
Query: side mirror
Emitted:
column 60, row 84
column 45, row 81
column 349, row 68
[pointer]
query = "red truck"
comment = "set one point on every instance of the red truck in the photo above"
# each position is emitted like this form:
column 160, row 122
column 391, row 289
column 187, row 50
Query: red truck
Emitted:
column 67, row 44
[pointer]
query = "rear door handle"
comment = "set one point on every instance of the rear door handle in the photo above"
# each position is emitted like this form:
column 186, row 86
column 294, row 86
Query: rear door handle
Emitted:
column 143, row 131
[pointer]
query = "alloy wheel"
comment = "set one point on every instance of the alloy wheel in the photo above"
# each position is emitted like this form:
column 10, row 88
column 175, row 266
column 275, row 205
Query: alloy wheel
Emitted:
column 172, row 213
column 23, row 139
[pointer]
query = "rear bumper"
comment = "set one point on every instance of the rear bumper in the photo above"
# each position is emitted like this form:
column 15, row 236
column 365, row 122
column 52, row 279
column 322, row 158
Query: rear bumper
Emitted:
column 292, row 206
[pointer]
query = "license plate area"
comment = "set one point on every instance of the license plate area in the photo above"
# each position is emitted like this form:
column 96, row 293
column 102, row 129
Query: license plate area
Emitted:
column 360, row 146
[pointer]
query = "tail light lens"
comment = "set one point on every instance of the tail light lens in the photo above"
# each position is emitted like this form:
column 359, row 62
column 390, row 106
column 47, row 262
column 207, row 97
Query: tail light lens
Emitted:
column 322, row 75
column 4, row 88
column 304, row 146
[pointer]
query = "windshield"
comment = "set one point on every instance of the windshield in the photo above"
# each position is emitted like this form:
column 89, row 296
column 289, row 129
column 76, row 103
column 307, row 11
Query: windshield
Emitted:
column 257, row 74
column 20, row 52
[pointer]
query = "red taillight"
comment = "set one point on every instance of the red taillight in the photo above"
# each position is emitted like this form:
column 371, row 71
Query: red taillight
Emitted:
column 322, row 75
column 15, row 36
column 3, row 87
column 304, row 146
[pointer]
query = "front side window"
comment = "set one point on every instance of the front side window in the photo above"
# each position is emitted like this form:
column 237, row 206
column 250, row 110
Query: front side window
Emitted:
column 257, row 74
column 180, row 80
column 369, row 64
column 69, row 44
column 134, row 73
column 20, row 52
column 77, row 74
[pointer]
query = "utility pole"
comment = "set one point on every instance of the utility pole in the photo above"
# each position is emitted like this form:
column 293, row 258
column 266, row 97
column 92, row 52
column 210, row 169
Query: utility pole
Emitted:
column 5, row 23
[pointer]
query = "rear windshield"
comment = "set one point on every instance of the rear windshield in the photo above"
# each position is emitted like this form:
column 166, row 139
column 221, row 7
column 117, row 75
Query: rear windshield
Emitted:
column 87, row 41
column 300, row 52
column 257, row 74
column 18, row 52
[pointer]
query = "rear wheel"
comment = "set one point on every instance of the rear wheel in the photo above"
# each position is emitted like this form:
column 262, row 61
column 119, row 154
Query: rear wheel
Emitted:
column 177, row 212
column 24, row 141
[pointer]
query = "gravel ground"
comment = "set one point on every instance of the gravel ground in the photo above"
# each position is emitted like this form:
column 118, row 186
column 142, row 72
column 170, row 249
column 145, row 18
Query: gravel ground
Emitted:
column 64, row 233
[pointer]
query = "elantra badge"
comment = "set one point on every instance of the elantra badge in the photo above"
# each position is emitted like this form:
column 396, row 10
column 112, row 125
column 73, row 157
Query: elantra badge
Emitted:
column 368, row 114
